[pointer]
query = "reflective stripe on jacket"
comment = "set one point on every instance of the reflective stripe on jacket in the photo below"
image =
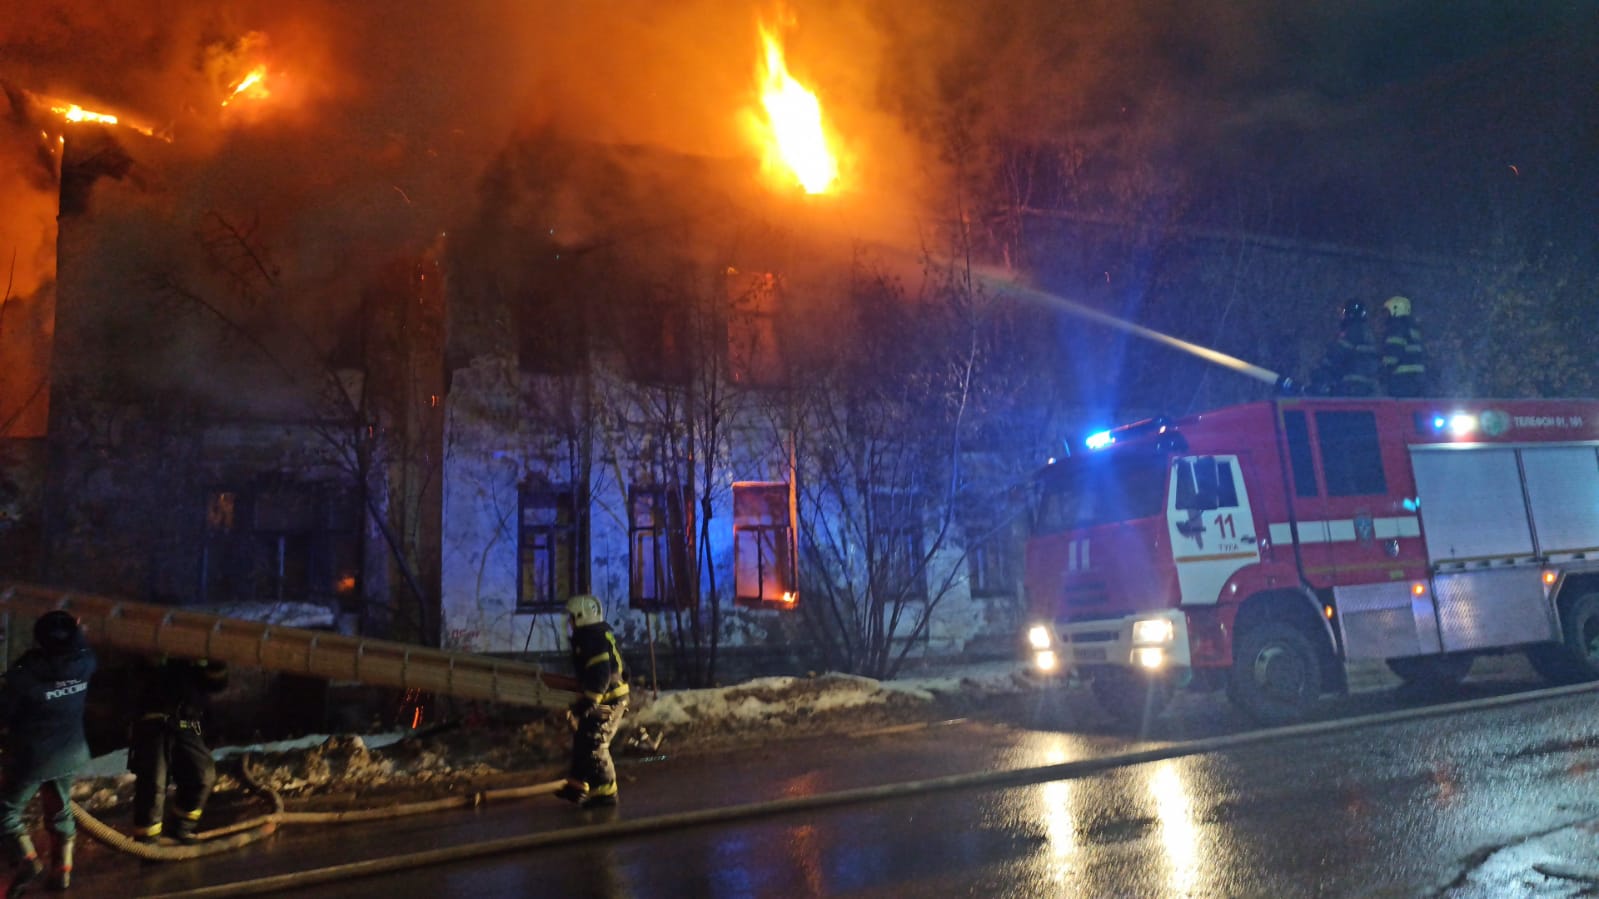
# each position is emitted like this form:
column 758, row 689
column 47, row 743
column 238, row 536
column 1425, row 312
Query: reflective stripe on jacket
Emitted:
column 599, row 663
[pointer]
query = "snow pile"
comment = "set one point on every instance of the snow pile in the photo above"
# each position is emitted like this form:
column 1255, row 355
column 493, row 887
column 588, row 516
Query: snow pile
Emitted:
column 800, row 706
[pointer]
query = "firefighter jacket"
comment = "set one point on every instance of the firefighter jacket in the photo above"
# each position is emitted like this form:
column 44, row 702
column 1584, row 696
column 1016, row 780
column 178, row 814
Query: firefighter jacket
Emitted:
column 1352, row 364
column 1404, row 362
column 180, row 690
column 598, row 664
column 41, row 707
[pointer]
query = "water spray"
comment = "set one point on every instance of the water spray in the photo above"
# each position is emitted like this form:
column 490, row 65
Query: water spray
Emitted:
column 1282, row 383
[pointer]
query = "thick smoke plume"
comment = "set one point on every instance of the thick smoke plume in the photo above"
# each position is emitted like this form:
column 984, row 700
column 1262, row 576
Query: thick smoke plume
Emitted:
column 379, row 120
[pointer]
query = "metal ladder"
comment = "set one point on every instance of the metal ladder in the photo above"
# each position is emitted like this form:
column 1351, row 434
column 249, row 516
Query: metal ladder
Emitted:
column 164, row 630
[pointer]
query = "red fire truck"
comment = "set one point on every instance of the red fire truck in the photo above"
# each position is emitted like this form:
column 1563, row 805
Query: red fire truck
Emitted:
column 1261, row 547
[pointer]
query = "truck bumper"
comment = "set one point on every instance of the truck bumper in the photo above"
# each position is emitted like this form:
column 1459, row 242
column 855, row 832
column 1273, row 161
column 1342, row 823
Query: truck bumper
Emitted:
column 1151, row 641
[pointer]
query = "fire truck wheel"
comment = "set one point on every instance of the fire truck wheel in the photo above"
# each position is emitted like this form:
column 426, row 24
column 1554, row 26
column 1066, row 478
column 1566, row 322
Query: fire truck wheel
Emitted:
column 1129, row 698
column 1576, row 658
column 1432, row 672
column 1555, row 663
column 1276, row 675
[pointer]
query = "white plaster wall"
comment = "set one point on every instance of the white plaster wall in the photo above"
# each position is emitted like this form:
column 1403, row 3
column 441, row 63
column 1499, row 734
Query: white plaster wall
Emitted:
column 482, row 467
column 486, row 457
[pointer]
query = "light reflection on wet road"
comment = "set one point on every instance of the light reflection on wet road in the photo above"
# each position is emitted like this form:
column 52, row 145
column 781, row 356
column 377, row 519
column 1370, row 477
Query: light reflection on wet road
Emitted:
column 1415, row 809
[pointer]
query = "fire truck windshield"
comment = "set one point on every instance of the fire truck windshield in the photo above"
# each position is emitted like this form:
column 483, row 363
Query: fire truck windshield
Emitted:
column 1100, row 490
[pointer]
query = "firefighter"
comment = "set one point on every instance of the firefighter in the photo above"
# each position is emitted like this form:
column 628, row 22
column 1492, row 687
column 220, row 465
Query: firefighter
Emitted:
column 1404, row 362
column 598, row 712
column 1352, row 365
column 167, row 744
column 41, row 708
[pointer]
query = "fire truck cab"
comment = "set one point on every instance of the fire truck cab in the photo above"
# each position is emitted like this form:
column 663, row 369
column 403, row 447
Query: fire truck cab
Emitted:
column 1260, row 548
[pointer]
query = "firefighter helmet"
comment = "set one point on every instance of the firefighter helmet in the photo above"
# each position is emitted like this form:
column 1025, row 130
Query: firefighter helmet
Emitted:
column 56, row 631
column 1354, row 311
column 1397, row 306
column 585, row 610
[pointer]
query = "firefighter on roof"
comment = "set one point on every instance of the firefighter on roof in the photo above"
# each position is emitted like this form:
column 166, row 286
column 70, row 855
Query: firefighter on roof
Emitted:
column 167, row 743
column 1404, row 362
column 1351, row 366
column 41, row 708
column 598, row 712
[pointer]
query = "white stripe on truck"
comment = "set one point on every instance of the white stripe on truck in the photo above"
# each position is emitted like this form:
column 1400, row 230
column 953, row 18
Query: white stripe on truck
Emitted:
column 1342, row 530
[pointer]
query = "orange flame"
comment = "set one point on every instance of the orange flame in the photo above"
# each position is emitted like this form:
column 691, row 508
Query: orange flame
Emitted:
column 72, row 112
column 795, row 137
column 253, row 83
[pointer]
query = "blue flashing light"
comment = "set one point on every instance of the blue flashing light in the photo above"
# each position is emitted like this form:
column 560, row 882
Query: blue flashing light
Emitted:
column 1099, row 440
column 1454, row 424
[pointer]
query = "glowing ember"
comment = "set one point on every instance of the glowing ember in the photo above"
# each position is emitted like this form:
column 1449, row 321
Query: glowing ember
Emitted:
column 251, row 85
column 794, row 123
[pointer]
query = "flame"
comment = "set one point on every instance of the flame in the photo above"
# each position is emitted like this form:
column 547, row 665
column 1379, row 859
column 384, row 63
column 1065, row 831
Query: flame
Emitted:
column 251, row 85
column 74, row 113
column 795, row 137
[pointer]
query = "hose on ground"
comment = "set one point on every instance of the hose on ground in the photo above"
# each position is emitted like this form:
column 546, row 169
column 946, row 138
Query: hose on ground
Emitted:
column 243, row 833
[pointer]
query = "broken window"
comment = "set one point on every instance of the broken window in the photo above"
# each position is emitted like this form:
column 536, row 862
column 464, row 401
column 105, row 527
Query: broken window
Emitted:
column 552, row 325
column 280, row 542
column 660, row 547
column 753, row 353
column 763, row 546
column 656, row 339
column 548, row 549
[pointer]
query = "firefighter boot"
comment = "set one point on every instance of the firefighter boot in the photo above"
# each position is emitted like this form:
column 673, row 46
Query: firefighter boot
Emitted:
column 25, row 863
column 601, row 796
column 183, row 824
column 60, row 862
column 572, row 791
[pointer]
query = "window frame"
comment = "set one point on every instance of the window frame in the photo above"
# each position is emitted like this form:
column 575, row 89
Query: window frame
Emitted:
column 753, row 525
column 1351, row 453
column 559, row 534
column 672, row 515
column 898, row 531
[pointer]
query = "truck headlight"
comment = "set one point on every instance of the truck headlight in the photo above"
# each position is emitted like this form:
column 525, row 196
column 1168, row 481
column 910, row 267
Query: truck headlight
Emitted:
column 1150, row 657
column 1044, row 660
column 1153, row 630
column 1038, row 636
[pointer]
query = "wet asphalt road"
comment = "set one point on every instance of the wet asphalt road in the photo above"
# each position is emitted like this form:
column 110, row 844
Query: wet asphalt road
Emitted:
column 1475, row 804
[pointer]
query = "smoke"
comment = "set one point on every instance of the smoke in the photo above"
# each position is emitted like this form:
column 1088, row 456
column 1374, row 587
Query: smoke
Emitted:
column 379, row 127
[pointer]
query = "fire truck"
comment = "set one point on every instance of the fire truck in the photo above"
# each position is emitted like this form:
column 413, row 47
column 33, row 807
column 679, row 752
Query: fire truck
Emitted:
column 1261, row 548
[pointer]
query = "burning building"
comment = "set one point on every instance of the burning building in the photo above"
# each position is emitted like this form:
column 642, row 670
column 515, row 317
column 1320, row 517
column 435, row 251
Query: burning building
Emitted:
column 252, row 398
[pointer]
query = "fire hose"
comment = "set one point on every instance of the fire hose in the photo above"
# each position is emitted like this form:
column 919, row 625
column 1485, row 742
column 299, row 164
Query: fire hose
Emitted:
column 243, row 833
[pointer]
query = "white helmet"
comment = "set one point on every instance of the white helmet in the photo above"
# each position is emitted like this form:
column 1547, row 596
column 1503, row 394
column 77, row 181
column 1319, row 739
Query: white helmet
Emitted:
column 585, row 610
column 1397, row 306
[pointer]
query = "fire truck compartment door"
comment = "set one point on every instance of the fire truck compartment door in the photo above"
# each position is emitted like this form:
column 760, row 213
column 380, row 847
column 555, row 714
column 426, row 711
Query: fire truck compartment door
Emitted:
column 1210, row 525
column 1563, row 491
column 1472, row 506
column 1386, row 621
column 1496, row 607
